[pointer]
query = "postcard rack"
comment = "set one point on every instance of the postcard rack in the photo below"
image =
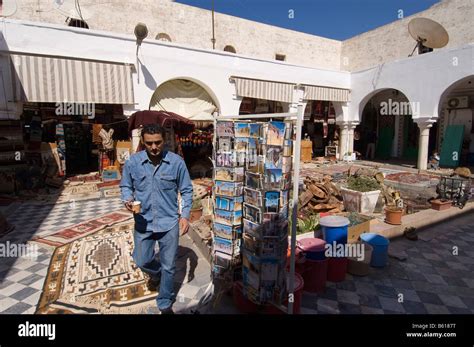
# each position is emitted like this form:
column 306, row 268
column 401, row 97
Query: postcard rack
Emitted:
column 255, row 173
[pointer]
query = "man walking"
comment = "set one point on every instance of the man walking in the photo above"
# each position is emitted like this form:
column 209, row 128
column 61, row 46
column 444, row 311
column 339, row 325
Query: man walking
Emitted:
column 150, row 183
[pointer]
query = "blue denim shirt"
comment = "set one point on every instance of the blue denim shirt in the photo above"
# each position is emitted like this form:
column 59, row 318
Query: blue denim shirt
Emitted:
column 156, row 187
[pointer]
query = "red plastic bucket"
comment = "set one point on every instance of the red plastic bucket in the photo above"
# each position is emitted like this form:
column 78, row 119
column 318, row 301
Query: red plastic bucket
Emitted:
column 315, row 275
column 243, row 304
column 298, row 292
column 337, row 268
column 299, row 261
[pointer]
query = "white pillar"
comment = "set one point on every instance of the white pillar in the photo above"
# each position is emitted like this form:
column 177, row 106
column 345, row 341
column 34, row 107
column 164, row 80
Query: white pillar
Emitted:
column 352, row 127
column 343, row 139
column 423, row 144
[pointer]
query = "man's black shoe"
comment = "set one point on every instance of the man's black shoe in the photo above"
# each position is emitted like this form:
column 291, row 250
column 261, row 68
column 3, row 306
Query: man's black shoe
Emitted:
column 168, row 310
column 152, row 284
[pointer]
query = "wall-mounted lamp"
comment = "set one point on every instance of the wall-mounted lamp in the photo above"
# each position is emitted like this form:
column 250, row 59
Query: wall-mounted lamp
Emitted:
column 141, row 32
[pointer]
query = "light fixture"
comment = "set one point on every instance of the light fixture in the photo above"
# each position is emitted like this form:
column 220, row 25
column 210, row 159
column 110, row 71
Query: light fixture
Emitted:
column 141, row 32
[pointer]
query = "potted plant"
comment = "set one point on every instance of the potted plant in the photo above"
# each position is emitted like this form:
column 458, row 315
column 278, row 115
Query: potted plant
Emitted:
column 441, row 204
column 361, row 194
column 196, row 211
column 393, row 215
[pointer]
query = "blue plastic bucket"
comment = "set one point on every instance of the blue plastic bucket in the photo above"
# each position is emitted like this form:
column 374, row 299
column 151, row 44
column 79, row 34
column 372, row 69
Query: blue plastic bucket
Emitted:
column 380, row 245
column 334, row 229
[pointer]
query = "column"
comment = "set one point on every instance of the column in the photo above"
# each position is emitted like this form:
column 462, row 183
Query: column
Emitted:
column 352, row 127
column 343, row 139
column 423, row 144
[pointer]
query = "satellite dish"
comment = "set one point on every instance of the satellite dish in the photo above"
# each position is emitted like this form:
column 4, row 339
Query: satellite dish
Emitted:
column 428, row 34
column 72, row 9
column 7, row 8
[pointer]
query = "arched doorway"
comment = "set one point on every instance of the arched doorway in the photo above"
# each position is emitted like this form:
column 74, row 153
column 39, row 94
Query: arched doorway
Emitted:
column 456, row 107
column 386, row 121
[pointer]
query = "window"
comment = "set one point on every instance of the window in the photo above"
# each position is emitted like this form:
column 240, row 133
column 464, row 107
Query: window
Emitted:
column 230, row 49
column 280, row 57
column 163, row 37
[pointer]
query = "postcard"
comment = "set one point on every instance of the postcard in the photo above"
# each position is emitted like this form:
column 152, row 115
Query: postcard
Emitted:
column 228, row 188
column 229, row 204
column 253, row 197
column 229, row 174
column 223, row 245
column 250, row 243
column 242, row 129
column 241, row 144
column 224, row 144
column 252, row 213
column 284, row 196
column 225, row 159
column 225, row 128
column 255, row 130
column 222, row 260
column 275, row 133
column 253, row 180
column 288, row 148
column 286, row 181
column 286, row 164
column 274, row 157
column 273, row 178
column 240, row 158
column 228, row 217
column 252, row 228
column 288, row 131
column 272, row 201
column 256, row 164
column 226, row 231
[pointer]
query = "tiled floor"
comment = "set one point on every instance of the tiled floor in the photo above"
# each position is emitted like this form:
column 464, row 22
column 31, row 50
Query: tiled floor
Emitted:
column 22, row 279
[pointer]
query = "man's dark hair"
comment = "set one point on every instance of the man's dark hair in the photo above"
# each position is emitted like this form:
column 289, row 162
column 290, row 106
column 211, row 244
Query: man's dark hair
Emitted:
column 153, row 129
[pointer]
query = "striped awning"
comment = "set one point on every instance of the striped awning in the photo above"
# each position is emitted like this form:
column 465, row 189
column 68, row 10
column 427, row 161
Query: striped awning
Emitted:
column 56, row 79
column 266, row 90
column 325, row 93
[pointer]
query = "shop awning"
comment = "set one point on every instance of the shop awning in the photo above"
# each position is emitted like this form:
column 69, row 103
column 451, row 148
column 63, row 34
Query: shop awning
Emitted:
column 266, row 90
column 56, row 79
column 325, row 93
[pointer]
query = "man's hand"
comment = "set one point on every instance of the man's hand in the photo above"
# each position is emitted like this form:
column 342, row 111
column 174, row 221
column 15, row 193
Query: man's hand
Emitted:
column 128, row 205
column 183, row 226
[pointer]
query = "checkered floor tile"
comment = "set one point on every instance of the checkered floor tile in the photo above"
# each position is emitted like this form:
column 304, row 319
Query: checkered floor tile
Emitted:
column 437, row 277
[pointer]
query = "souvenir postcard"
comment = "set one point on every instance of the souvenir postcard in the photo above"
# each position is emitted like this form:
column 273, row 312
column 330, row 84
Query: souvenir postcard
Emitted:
column 273, row 178
column 286, row 181
column 252, row 213
column 255, row 130
column 252, row 228
column 225, row 128
column 274, row 157
column 253, row 180
column 241, row 144
column 235, row 174
column 272, row 201
column 228, row 188
column 223, row 245
column 222, row 260
column 228, row 217
column 250, row 243
column 288, row 148
column 229, row 204
column 275, row 133
column 253, row 197
column 284, row 197
column 255, row 163
column 240, row 158
column 286, row 164
column 227, row 231
column 225, row 159
column 224, row 144
column 242, row 129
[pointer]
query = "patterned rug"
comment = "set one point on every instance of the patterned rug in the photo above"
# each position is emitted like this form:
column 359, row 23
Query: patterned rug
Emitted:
column 111, row 193
column 77, row 231
column 96, row 274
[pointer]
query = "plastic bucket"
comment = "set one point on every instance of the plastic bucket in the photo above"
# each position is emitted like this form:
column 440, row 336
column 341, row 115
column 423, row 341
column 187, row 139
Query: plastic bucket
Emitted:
column 334, row 229
column 380, row 248
column 243, row 304
column 315, row 275
column 360, row 267
column 299, row 260
column 297, row 293
column 337, row 268
column 313, row 248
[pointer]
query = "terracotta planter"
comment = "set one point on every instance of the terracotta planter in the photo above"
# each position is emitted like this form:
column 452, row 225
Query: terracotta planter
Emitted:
column 195, row 215
column 393, row 215
column 440, row 205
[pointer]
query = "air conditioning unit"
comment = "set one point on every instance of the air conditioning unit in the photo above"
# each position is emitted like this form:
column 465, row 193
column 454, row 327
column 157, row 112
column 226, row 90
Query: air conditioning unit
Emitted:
column 459, row 102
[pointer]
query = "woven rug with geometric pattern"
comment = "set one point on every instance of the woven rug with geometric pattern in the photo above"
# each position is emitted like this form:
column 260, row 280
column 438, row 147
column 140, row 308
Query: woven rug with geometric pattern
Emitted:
column 96, row 274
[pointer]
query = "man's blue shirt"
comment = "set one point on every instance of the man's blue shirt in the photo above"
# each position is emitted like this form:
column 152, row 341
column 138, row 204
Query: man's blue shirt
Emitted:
column 156, row 187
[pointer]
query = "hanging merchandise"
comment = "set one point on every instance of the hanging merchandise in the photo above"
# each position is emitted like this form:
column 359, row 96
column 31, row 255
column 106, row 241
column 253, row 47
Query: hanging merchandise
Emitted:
column 252, row 189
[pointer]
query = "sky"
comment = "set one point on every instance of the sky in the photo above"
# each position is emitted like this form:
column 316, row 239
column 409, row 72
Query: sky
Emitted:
column 334, row 19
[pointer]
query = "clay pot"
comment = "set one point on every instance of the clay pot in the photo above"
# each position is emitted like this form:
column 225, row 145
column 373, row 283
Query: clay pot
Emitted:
column 393, row 215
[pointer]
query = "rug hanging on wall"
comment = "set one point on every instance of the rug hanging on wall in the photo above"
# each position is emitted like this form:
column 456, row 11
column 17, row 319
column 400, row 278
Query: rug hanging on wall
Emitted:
column 96, row 274
column 77, row 231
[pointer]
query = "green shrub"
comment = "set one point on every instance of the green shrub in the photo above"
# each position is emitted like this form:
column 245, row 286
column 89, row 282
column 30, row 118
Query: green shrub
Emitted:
column 362, row 184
